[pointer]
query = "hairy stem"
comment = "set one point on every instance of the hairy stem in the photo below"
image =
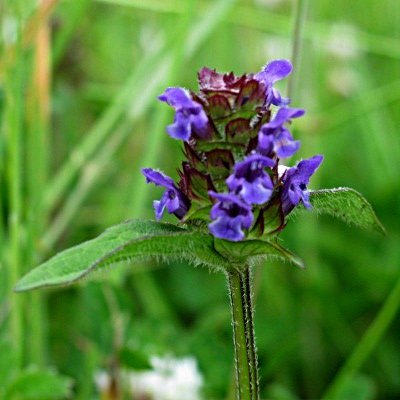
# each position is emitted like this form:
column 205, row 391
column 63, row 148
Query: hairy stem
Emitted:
column 243, row 334
column 251, row 343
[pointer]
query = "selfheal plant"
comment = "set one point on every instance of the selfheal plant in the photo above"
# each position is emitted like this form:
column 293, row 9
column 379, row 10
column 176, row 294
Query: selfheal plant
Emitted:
column 234, row 133
column 233, row 198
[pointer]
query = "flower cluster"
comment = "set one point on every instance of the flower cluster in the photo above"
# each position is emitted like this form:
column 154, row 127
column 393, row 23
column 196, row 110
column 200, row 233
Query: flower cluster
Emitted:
column 234, row 133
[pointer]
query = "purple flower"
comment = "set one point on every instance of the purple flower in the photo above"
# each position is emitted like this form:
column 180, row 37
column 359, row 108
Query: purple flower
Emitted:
column 230, row 216
column 189, row 115
column 250, row 181
column 274, row 137
column 235, row 131
column 173, row 199
column 295, row 181
column 272, row 72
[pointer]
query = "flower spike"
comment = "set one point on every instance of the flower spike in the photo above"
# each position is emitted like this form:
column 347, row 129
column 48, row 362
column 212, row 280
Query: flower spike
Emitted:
column 235, row 131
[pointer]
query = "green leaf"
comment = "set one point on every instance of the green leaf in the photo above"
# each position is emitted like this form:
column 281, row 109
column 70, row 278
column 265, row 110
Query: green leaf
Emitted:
column 125, row 241
column 255, row 249
column 348, row 205
column 134, row 359
column 38, row 384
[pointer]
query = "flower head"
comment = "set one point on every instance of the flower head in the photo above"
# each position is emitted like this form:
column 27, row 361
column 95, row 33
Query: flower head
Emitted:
column 230, row 216
column 173, row 199
column 189, row 117
column 235, row 131
column 295, row 183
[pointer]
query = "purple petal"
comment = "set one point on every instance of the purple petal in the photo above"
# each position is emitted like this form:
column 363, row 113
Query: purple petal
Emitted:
column 176, row 97
column 285, row 146
column 231, row 205
column 259, row 192
column 227, row 228
column 295, row 184
column 275, row 98
column 173, row 199
column 158, row 178
column 274, row 71
column 199, row 118
column 283, row 115
column 306, row 168
column 266, row 141
column 230, row 216
column 274, row 137
column 250, row 180
column 184, row 124
column 252, row 163
column 181, row 128
column 169, row 200
column 189, row 114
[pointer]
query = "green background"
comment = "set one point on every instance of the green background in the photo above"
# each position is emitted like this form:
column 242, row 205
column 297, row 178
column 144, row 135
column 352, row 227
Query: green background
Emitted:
column 79, row 117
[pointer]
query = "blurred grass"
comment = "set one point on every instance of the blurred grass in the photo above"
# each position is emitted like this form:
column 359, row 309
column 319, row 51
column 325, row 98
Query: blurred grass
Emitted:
column 79, row 118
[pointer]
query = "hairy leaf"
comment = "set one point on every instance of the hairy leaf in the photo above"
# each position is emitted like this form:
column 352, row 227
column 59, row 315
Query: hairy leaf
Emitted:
column 249, row 249
column 348, row 205
column 125, row 241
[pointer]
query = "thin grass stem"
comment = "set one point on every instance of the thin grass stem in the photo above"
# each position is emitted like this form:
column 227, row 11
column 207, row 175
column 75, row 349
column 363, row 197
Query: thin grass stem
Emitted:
column 299, row 17
column 366, row 345
column 13, row 132
column 37, row 143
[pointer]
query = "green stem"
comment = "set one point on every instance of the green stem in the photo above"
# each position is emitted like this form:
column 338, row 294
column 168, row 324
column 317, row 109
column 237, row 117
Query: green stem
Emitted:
column 13, row 132
column 243, row 334
column 251, row 343
column 36, row 173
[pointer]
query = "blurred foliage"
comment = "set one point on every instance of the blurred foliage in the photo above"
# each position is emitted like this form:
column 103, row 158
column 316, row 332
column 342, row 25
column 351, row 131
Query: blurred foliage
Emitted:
column 79, row 118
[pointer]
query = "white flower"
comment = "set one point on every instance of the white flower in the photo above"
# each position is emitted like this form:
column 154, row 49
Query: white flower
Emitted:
column 102, row 380
column 170, row 379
